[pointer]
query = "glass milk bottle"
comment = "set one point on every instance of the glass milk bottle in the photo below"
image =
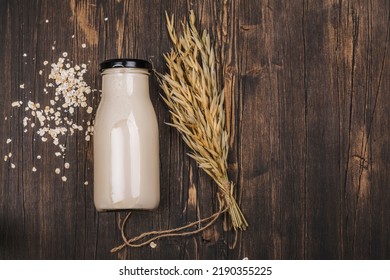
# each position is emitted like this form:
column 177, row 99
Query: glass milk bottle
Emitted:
column 126, row 147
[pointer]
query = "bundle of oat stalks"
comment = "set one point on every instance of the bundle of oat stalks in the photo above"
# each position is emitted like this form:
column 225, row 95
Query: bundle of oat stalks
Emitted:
column 196, row 105
column 197, row 109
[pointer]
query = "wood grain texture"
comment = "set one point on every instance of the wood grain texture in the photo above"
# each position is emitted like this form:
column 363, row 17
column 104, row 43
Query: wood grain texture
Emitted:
column 307, row 88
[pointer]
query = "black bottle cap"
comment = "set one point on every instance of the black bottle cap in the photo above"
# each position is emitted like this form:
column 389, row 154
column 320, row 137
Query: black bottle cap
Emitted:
column 125, row 63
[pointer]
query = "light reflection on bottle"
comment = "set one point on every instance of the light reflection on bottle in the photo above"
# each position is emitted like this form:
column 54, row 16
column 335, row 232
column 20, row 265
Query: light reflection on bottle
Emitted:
column 125, row 160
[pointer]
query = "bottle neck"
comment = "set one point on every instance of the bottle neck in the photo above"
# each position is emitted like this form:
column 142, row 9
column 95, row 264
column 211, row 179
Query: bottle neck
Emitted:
column 125, row 82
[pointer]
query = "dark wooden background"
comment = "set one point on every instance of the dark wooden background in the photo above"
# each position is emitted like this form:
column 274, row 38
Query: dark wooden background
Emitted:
column 307, row 86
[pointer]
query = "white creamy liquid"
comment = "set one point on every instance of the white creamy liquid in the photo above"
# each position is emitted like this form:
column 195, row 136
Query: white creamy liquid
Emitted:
column 126, row 147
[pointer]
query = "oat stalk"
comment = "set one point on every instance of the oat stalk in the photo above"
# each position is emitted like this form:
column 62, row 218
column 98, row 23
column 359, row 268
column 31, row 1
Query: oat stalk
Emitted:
column 197, row 110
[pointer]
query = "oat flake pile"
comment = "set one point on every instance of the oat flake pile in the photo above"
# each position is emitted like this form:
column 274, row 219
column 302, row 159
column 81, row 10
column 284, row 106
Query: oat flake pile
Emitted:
column 57, row 120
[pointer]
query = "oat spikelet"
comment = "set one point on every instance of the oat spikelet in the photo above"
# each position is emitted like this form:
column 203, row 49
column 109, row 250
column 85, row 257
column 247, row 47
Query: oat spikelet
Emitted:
column 196, row 105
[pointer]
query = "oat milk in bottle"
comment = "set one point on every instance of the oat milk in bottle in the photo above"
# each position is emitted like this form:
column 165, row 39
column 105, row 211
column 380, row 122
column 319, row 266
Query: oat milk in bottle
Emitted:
column 126, row 147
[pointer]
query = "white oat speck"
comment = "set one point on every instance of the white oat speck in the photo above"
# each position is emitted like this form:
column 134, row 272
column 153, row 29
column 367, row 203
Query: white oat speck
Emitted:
column 153, row 245
column 66, row 165
column 24, row 54
column 63, row 178
column 34, row 169
column 8, row 141
column 57, row 171
column 5, row 158
column 39, row 157
column 9, row 155
column 83, row 46
column 86, row 183
column 16, row 104
column 65, row 54
column 47, row 21
column 45, row 62
column 105, row 19
column 13, row 165
column 21, row 86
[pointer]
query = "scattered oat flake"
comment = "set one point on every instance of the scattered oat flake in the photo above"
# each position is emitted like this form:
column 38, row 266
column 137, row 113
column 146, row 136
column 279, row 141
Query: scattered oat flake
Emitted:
column 83, row 46
column 31, row 105
column 34, row 169
column 86, row 183
column 89, row 110
column 40, row 72
column 72, row 36
column 39, row 157
column 153, row 245
column 67, row 165
column 45, row 62
column 8, row 141
column 24, row 54
column 5, row 158
column 21, row 86
column 13, row 165
column 16, row 104
column 63, row 178
column 105, row 19
column 57, row 154
column 64, row 54
column 9, row 155
column 47, row 21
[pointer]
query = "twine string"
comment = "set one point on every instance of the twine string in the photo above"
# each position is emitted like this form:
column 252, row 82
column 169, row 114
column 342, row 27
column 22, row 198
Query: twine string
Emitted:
column 158, row 234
